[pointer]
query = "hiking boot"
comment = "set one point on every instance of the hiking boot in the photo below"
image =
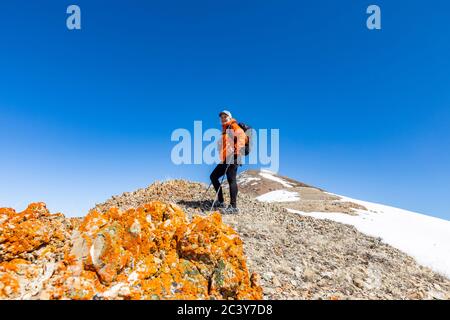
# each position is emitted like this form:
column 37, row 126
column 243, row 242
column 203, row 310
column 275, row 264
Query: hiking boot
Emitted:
column 230, row 210
column 219, row 205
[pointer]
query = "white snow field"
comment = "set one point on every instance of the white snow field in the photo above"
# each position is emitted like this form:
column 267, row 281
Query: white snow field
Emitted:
column 425, row 238
column 279, row 196
column 247, row 180
column 270, row 175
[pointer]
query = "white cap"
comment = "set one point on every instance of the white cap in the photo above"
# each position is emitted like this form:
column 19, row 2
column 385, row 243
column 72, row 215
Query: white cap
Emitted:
column 228, row 113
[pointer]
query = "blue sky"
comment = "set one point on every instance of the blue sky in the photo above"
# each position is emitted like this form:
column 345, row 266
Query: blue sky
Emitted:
column 88, row 114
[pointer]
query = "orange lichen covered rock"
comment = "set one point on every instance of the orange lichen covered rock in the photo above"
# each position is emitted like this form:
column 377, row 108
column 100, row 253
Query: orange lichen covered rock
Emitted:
column 217, row 252
column 24, row 232
column 31, row 242
column 151, row 252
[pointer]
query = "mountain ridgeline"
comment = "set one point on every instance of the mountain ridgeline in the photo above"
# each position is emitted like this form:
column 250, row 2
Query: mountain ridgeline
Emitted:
column 163, row 242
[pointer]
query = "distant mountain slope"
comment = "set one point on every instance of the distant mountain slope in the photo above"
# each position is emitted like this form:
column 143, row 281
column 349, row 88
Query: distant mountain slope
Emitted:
column 425, row 238
column 268, row 187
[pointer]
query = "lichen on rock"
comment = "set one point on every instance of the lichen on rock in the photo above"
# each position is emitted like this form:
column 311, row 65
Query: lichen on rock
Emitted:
column 149, row 252
column 31, row 242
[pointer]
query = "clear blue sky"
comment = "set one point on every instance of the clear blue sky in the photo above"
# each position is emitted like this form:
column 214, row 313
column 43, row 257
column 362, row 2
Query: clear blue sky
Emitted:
column 88, row 114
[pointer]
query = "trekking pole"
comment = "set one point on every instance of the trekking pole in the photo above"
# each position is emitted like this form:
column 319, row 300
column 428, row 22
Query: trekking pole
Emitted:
column 206, row 192
column 220, row 187
column 202, row 199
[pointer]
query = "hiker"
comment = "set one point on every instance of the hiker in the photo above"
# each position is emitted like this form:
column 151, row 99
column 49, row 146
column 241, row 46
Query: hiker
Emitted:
column 232, row 146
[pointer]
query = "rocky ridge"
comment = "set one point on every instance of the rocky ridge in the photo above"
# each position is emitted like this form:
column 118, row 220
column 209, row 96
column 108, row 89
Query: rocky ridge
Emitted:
column 300, row 257
column 162, row 242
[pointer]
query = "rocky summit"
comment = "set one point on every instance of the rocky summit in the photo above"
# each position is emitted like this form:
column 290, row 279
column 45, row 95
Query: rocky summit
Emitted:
column 164, row 242
column 300, row 257
column 149, row 252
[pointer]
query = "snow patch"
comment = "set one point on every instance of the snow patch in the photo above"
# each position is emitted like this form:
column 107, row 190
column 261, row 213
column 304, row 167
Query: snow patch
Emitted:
column 425, row 238
column 279, row 196
column 247, row 180
column 269, row 175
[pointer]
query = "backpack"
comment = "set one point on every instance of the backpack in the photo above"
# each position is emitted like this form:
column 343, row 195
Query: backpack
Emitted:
column 248, row 132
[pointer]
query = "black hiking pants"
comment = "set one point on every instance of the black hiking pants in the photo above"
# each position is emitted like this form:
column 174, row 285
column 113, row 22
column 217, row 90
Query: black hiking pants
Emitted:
column 217, row 173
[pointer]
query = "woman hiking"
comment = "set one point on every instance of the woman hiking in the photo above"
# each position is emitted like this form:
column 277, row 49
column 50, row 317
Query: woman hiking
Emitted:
column 231, row 146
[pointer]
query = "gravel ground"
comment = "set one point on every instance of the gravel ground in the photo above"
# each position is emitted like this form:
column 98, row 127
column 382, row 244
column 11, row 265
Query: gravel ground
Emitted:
column 300, row 257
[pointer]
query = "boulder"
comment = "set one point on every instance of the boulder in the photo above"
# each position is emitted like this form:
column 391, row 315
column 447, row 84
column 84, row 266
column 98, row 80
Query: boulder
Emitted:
column 149, row 252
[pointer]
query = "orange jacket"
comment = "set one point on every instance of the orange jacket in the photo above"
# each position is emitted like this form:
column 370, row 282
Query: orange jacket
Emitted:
column 233, row 139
